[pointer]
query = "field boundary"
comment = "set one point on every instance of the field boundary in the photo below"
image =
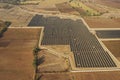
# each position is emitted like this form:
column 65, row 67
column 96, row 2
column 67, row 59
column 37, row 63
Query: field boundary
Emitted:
column 99, row 70
column 110, row 39
column 40, row 37
column 27, row 27
column 105, row 29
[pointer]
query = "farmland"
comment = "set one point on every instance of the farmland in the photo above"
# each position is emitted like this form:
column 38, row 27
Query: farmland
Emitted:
column 66, row 8
column 83, row 76
column 16, row 54
column 110, row 3
column 95, row 22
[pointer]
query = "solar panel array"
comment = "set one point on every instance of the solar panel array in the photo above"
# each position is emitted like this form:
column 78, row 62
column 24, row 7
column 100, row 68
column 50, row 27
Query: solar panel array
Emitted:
column 58, row 36
column 108, row 33
column 87, row 50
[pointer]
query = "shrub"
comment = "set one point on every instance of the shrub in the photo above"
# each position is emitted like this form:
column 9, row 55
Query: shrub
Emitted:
column 36, row 50
column 7, row 23
column 35, row 62
column 4, row 28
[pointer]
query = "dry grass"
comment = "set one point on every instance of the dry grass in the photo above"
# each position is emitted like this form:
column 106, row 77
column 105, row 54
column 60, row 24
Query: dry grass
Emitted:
column 16, row 55
column 18, row 17
column 45, row 3
column 114, row 47
column 50, row 62
column 51, row 3
column 63, row 49
column 103, row 22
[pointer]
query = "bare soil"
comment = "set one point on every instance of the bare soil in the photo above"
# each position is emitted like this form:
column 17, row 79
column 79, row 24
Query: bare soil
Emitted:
column 95, row 22
column 110, row 3
column 16, row 55
column 113, row 75
column 97, row 76
column 66, row 8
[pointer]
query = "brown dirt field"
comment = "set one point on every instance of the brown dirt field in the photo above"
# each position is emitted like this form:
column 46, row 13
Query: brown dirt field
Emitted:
column 66, row 8
column 56, row 76
column 97, row 76
column 102, row 22
column 110, row 3
column 49, row 62
column 115, row 75
column 16, row 56
column 114, row 47
column 81, row 11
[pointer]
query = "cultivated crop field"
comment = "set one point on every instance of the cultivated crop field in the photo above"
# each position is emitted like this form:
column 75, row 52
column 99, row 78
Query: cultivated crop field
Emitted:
column 113, row 75
column 111, row 3
column 97, row 22
column 16, row 53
